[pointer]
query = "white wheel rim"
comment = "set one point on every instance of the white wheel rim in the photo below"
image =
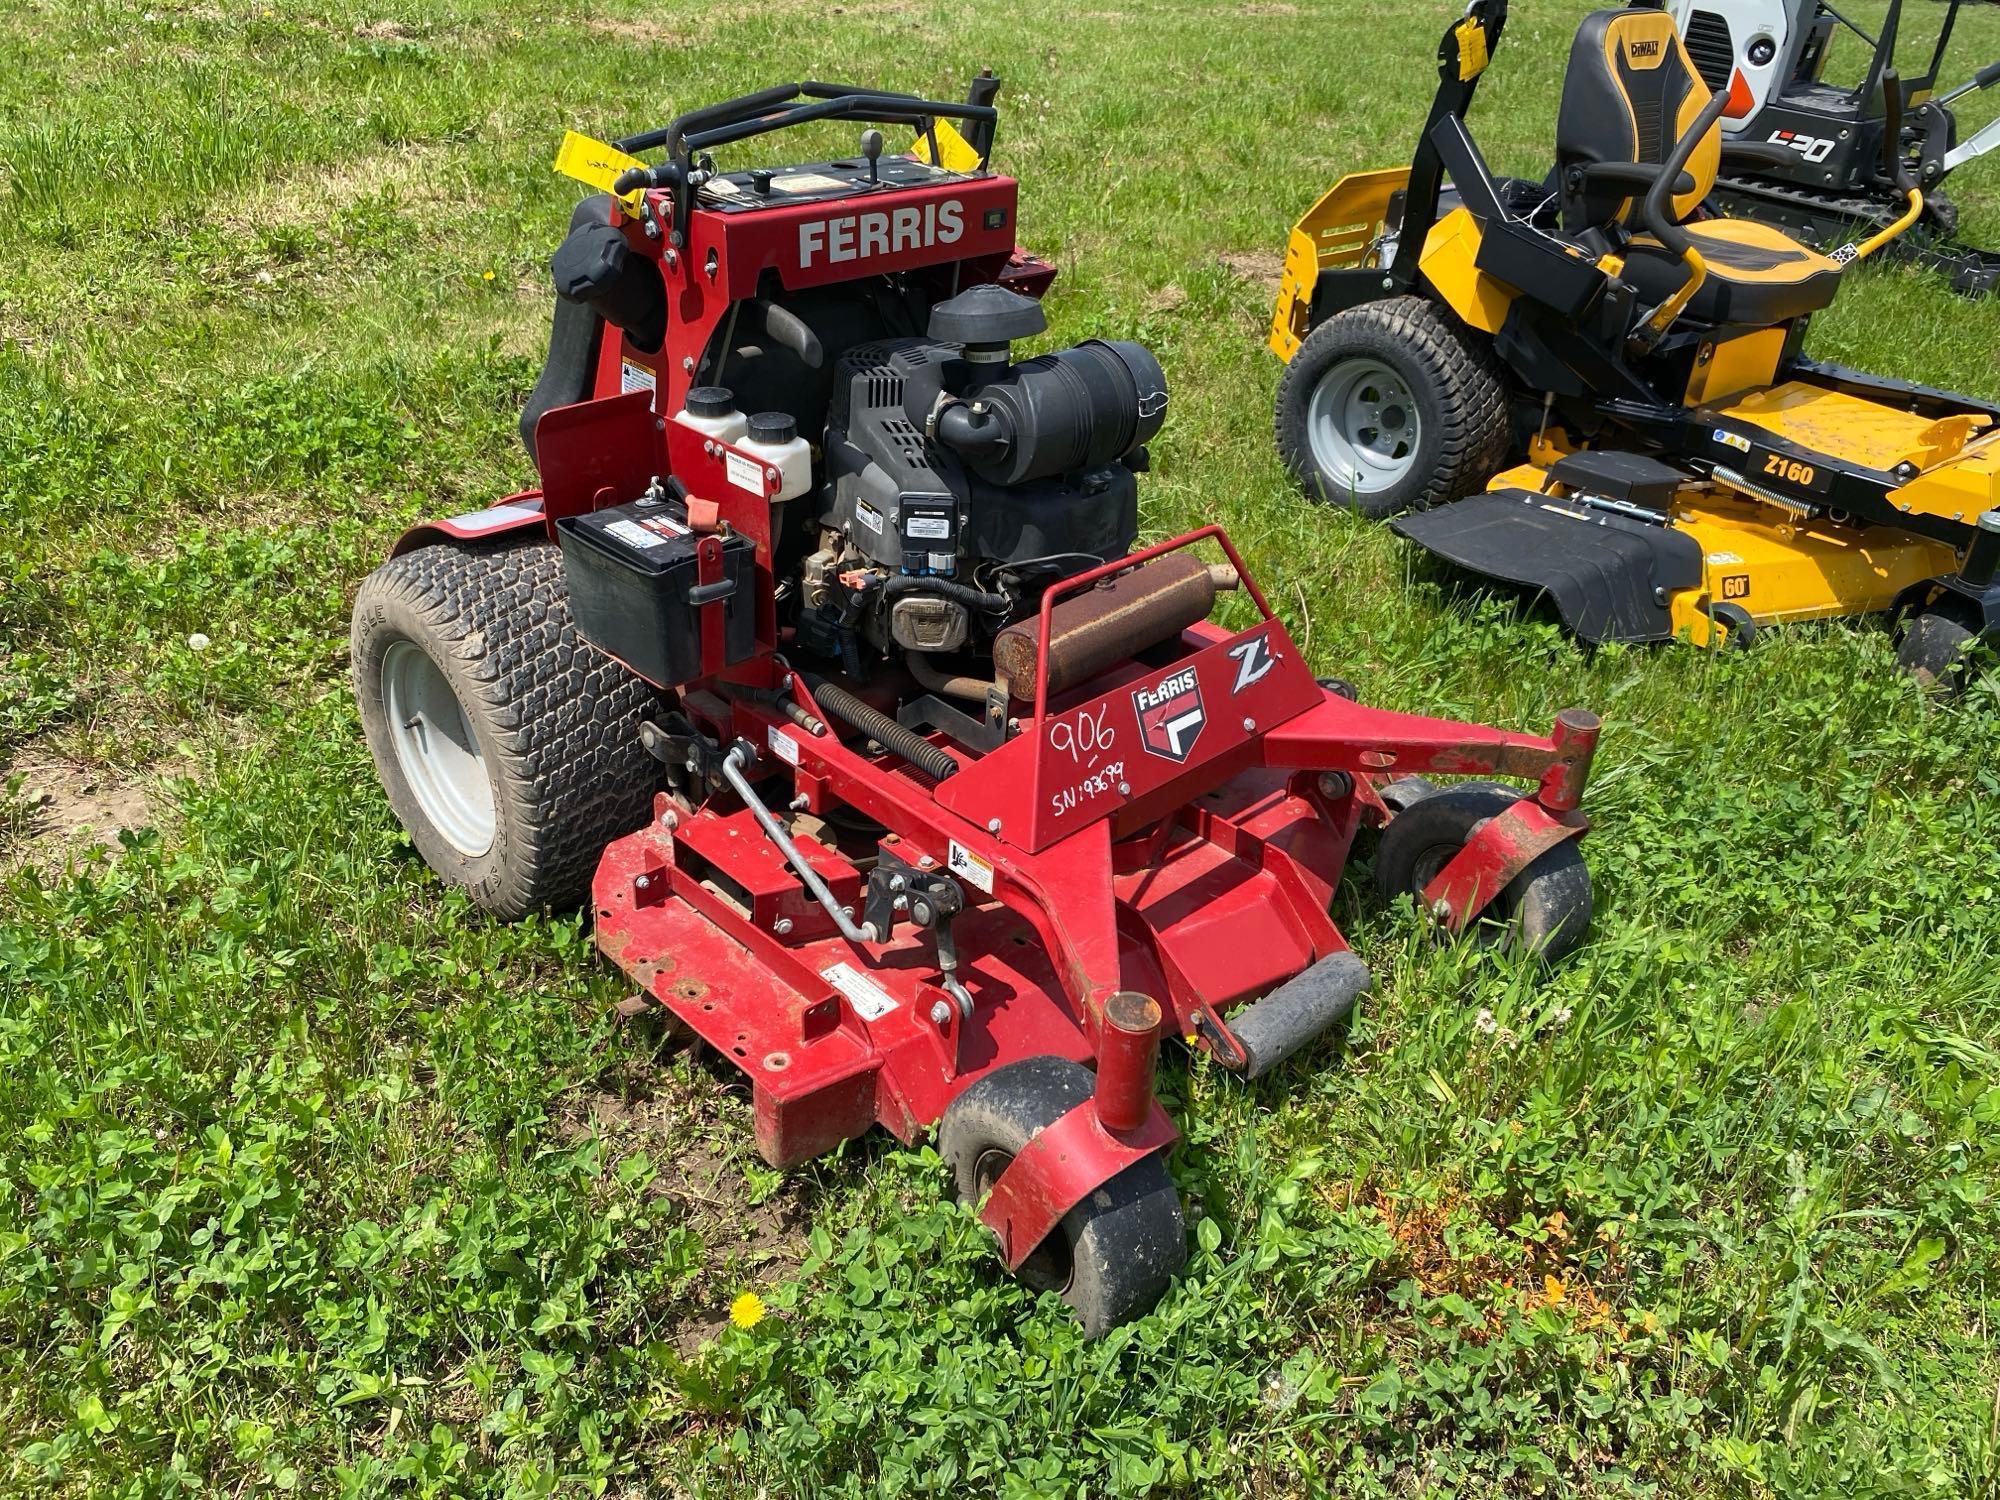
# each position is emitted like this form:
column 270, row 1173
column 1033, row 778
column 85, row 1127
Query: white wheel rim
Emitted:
column 435, row 747
column 1363, row 427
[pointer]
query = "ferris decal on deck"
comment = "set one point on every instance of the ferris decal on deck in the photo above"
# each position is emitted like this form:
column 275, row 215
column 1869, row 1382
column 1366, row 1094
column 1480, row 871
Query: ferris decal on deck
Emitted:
column 882, row 232
column 1170, row 715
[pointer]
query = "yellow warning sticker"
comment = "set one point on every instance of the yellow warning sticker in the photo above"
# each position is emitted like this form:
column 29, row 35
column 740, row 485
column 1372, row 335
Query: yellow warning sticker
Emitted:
column 955, row 152
column 596, row 164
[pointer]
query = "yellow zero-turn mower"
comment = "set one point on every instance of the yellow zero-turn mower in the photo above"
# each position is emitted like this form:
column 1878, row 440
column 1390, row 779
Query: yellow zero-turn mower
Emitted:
column 1679, row 467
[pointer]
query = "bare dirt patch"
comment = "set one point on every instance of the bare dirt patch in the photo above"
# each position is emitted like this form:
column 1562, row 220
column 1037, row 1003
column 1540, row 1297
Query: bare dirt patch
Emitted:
column 384, row 31
column 1265, row 267
column 625, row 29
column 415, row 174
column 699, row 1162
column 63, row 806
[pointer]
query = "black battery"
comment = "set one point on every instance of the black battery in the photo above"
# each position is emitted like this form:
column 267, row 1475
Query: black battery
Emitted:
column 635, row 588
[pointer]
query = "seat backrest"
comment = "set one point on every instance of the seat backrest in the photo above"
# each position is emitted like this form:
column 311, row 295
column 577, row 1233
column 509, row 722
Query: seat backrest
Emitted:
column 1630, row 93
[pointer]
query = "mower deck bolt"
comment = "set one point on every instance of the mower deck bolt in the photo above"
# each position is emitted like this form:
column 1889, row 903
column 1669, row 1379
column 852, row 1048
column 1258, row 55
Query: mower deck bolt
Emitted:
column 992, row 825
column 940, row 1014
column 1333, row 785
column 643, row 882
column 782, row 926
column 670, row 819
column 926, row 863
column 1249, row 726
column 1124, row 788
column 1441, row 909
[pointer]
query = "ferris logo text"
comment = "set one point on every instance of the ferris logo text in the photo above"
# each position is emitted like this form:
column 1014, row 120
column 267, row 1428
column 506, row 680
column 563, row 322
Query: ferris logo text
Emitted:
column 889, row 232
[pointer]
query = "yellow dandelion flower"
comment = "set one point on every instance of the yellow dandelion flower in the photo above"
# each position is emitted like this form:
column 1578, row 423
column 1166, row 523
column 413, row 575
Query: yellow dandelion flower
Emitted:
column 485, row 275
column 747, row 1311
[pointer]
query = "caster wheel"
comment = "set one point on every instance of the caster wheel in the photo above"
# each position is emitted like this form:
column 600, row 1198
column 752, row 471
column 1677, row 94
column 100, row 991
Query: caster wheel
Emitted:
column 509, row 747
column 1939, row 648
column 1400, row 795
column 1545, row 909
column 1114, row 1253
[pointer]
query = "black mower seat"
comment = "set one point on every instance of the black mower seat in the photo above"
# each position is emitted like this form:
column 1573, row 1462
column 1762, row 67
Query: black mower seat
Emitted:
column 1756, row 274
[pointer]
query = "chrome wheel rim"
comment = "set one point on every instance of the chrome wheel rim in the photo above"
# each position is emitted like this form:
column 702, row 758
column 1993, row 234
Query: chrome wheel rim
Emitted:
column 1363, row 426
column 435, row 747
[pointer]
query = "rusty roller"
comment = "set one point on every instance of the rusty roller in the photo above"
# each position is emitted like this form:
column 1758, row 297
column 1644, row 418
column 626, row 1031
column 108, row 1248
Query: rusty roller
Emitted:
column 1111, row 622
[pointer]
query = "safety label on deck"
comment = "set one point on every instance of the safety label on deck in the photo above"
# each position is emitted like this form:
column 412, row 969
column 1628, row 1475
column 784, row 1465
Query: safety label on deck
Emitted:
column 783, row 745
column 969, row 867
column 870, row 1001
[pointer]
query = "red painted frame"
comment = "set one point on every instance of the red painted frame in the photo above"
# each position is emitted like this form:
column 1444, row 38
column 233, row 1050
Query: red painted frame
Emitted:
column 1205, row 887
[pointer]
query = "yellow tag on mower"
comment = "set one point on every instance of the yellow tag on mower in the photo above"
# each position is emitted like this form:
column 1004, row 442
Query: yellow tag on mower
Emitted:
column 597, row 165
column 1472, row 51
column 956, row 152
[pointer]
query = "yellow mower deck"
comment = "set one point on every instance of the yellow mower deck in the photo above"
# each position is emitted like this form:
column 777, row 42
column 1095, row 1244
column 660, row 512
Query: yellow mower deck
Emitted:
column 1779, row 571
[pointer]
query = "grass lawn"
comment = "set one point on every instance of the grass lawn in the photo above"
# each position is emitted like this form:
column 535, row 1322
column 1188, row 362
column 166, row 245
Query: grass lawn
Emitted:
column 310, row 1179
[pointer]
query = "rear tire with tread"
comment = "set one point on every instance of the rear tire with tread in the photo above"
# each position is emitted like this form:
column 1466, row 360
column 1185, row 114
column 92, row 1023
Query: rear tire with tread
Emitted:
column 554, row 721
column 1464, row 425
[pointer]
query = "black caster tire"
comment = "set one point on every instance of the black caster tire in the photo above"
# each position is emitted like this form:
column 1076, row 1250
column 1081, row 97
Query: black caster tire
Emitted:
column 1400, row 795
column 1939, row 647
column 1115, row 1252
column 508, row 746
column 1544, row 910
column 1392, row 406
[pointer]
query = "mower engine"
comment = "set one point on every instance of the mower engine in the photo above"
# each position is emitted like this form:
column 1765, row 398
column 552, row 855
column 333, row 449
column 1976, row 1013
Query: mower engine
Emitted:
column 958, row 484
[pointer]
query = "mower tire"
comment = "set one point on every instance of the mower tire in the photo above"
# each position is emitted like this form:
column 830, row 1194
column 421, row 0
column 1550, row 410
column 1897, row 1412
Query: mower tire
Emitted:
column 1400, row 795
column 508, row 746
column 1114, row 1253
column 1392, row 406
column 1544, row 910
column 1938, row 647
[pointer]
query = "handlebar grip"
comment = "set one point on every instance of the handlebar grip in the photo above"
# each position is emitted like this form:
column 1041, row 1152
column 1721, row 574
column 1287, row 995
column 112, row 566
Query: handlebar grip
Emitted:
column 1987, row 76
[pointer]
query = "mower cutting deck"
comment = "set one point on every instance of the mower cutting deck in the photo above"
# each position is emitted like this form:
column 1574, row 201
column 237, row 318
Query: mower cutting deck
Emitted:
column 890, row 769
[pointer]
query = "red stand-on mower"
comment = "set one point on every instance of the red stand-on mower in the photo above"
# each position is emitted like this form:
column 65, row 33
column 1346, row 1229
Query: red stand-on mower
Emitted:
column 888, row 767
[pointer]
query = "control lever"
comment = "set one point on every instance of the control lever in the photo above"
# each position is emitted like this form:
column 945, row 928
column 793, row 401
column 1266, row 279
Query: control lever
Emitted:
column 871, row 147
